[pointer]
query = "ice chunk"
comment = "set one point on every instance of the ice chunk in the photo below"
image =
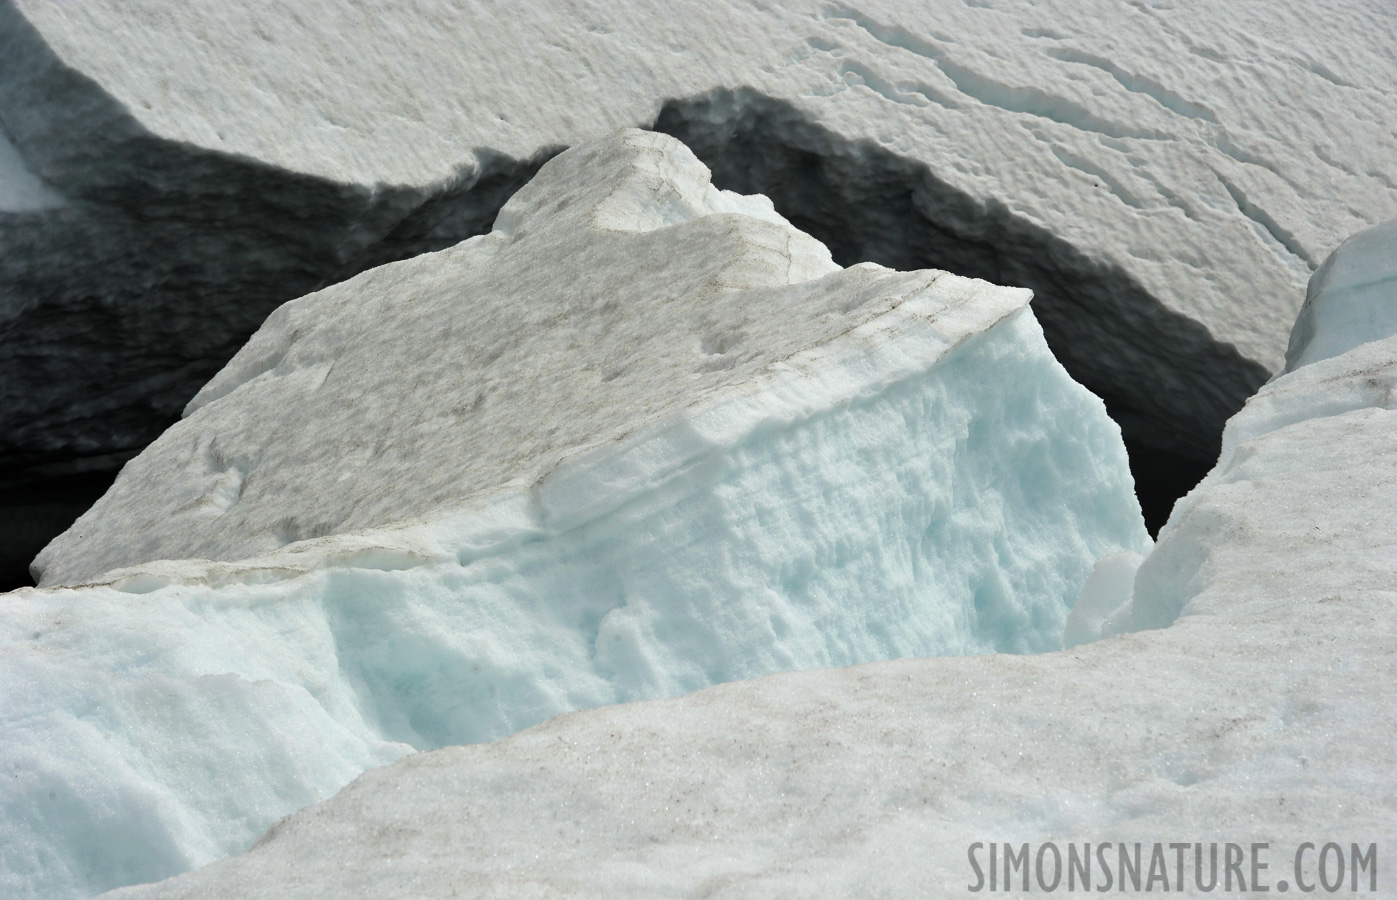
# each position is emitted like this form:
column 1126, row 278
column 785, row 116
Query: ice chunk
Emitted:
column 1262, row 716
column 643, row 438
column 1352, row 298
column 20, row 189
column 1103, row 609
column 1341, row 381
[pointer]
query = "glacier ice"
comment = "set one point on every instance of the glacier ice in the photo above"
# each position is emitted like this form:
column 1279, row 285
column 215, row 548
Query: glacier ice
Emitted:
column 1163, row 191
column 1352, row 298
column 1104, row 607
column 1263, row 713
column 642, row 438
column 1342, row 377
column 20, row 189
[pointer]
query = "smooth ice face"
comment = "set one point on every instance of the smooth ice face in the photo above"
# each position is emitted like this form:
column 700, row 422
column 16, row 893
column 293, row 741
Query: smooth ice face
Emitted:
column 752, row 462
column 1352, row 298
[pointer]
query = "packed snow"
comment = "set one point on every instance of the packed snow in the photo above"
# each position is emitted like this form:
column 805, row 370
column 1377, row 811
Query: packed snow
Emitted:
column 1163, row 176
column 1262, row 713
column 643, row 438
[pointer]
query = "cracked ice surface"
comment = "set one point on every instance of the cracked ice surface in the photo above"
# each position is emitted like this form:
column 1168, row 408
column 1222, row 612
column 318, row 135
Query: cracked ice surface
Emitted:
column 643, row 438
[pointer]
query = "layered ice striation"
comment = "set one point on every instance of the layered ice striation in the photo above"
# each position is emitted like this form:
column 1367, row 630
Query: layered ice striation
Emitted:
column 1263, row 714
column 642, row 438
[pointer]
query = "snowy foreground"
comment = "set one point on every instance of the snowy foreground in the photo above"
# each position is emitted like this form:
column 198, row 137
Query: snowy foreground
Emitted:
column 643, row 438
column 1163, row 176
column 1265, row 713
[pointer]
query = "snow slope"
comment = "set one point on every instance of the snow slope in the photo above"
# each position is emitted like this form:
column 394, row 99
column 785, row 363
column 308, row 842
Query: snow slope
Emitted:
column 1263, row 713
column 642, row 438
column 1163, row 177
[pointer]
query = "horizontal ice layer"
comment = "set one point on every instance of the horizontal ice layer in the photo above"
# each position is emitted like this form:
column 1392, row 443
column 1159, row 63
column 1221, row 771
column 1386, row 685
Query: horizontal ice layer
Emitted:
column 1263, row 715
column 642, row 439
column 1162, row 178
column 1352, row 298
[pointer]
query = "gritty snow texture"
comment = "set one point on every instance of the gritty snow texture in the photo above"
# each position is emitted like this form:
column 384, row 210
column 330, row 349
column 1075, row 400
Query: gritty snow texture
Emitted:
column 1164, row 177
column 643, row 438
column 1264, row 713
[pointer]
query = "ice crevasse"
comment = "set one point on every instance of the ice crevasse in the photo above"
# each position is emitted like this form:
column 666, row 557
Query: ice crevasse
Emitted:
column 642, row 438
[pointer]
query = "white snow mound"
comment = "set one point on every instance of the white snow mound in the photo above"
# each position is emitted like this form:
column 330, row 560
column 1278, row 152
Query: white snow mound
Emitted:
column 643, row 438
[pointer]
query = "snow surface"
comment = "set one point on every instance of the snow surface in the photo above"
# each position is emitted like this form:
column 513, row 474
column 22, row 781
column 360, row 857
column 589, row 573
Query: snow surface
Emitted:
column 1163, row 176
column 1263, row 713
column 1352, row 298
column 643, row 438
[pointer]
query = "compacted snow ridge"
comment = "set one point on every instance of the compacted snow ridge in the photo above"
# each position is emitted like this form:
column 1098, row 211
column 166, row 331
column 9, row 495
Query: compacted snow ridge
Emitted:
column 642, row 438
column 1164, row 177
column 1263, row 713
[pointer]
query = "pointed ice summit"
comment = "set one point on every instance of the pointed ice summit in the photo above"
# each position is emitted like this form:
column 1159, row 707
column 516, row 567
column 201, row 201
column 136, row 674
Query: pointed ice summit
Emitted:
column 642, row 438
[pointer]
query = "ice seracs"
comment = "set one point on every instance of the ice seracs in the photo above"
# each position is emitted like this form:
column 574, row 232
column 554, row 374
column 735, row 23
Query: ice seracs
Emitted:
column 642, row 438
column 1163, row 178
column 1262, row 715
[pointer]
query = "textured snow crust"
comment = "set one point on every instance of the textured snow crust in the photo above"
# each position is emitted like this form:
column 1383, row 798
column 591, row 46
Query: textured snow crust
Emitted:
column 749, row 461
column 1263, row 713
column 1153, row 173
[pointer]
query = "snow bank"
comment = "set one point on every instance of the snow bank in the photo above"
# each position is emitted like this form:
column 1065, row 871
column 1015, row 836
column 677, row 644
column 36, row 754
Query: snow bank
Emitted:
column 1262, row 715
column 1163, row 178
column 643, row 438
